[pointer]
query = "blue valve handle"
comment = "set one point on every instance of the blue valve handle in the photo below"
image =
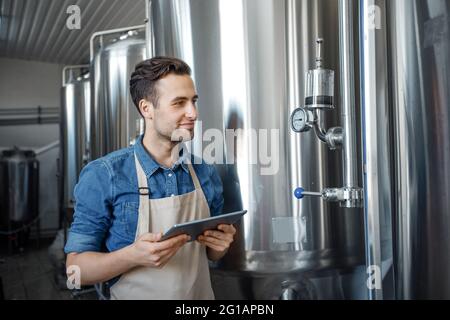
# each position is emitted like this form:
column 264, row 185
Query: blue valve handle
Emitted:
column 299, row 193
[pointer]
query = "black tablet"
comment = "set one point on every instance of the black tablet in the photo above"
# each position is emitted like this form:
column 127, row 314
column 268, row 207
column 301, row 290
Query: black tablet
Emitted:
column 197, row 227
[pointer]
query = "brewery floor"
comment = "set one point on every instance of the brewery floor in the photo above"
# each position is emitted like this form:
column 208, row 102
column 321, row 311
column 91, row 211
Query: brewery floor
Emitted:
column 32, row 275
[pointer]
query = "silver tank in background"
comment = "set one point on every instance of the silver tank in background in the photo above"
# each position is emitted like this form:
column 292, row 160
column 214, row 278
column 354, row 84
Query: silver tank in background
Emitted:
column 115, row 119
column 20, row 187
column 420, row 60
column 249, row 59
column 75, row 127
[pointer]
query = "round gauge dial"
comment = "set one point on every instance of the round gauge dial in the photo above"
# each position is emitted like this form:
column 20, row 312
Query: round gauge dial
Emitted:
column 299, row 120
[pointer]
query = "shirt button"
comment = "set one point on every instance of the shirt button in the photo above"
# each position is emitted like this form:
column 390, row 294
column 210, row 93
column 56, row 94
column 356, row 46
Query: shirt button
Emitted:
column 169, row 175
column 172, row 195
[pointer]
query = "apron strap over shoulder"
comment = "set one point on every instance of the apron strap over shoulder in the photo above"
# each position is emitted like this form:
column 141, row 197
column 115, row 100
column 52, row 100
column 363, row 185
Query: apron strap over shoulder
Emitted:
column 194, row 177
column 144, row 205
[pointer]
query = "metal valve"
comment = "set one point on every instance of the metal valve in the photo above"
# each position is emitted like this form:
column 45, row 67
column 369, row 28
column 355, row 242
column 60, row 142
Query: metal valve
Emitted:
column 319, row 97
column 319, row 91
column 347, row 197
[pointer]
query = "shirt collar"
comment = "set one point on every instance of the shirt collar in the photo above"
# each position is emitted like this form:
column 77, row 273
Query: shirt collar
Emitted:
column 150, row 166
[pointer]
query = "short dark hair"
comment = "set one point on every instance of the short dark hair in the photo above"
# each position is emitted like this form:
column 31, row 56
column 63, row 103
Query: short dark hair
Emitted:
column 148, row 72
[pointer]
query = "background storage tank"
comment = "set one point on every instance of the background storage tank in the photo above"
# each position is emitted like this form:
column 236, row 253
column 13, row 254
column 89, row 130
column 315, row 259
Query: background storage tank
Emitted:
column 114, row 55
column 75, row 127
column 20, row 180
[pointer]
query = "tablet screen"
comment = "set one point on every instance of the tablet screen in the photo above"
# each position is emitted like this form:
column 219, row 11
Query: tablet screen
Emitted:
column 197, row 227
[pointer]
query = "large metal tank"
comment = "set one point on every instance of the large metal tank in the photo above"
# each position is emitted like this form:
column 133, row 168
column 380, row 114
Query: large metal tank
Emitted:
column 20, row 180
column 420, row 68
column 114, row 117
column 249, row 59
column 3, row 216
column 75, row 127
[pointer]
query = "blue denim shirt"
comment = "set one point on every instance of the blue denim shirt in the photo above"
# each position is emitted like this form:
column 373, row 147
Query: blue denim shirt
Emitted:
column 107, row 197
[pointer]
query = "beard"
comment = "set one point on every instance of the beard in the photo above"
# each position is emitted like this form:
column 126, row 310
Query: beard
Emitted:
column 182, row 135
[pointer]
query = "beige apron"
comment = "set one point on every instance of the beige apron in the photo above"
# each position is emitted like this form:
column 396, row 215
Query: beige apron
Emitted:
column 186, row 275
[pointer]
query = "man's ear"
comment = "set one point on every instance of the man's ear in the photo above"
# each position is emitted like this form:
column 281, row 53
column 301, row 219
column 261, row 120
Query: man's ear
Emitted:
column 146, row 108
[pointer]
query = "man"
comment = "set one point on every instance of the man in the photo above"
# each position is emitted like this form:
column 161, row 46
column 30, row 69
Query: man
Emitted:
column 125, row 199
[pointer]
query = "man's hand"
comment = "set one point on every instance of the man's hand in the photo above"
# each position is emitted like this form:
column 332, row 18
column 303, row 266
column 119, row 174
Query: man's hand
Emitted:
column 218, row 241
column 146, row 251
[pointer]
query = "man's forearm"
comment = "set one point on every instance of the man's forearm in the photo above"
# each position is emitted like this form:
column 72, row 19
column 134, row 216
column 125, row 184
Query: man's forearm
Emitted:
column 98, row 267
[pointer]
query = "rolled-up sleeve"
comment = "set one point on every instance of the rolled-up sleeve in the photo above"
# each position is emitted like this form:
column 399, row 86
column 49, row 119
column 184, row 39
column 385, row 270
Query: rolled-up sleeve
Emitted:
column 92, row 217
column 217, row 202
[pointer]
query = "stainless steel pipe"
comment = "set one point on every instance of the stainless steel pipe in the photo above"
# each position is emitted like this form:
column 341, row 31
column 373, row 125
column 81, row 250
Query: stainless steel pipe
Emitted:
column 347, row 71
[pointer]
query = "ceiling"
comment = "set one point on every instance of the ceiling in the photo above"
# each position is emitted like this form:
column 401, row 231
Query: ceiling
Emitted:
column 36, row 29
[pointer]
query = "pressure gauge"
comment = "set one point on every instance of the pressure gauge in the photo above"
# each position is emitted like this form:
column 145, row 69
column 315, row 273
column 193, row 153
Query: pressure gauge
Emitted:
column 300, row 119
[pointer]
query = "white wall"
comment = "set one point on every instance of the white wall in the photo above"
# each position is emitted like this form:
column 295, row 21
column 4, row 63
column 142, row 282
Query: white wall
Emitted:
column 29, row 84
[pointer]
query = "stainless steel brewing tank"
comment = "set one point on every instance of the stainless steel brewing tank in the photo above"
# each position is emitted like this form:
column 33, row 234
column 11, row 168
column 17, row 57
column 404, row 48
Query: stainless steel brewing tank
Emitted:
column 114, row 114
column 75, row 132
column 420, row 67
column 249, row 59
column 3, row 216
column 20, row 180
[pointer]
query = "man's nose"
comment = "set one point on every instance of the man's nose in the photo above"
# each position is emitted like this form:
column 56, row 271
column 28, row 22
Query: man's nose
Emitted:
column 191, row 111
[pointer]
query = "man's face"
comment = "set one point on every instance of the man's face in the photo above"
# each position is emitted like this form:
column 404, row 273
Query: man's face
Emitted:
column 176, row 112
